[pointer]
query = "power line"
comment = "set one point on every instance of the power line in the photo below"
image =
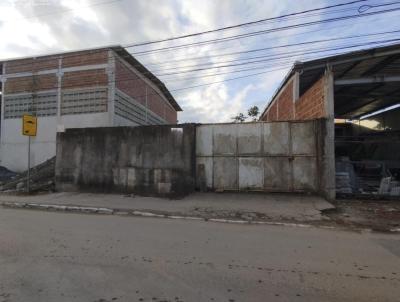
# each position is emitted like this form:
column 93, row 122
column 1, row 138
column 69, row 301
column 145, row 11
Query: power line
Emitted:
column 203, row 69
column 129, row 79
column 243, row 24
column 280, row 55
column 265, row 60
column 277, row 47
column 261, row 32
column 93, row 51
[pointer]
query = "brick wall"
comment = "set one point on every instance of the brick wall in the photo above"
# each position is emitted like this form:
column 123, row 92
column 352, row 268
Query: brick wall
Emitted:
column 30, row 84
column 81, row 58
column 128, row 82
column 30, row 65
column 92, row 57
column 85, row 78
column 282, row 108
column 311, row 104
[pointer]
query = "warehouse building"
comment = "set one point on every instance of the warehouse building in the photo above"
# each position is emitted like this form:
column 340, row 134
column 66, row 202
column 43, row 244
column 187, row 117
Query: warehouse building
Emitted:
column 358, row 94
column 101, row 87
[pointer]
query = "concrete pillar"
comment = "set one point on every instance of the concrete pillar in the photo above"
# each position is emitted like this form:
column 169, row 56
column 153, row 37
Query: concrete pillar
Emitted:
column 328, row 156
column 3, row 80
column 60, row 125
column 111, row 88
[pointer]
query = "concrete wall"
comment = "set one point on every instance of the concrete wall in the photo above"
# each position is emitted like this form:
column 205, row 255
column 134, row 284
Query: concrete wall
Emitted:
column 147, row 160
column 272, row 157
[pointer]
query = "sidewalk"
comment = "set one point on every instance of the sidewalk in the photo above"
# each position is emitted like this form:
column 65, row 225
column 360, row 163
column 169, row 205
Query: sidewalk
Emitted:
column 238, row 206
column 277, row 209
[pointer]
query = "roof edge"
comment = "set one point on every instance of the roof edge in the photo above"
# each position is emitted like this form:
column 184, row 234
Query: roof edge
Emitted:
column 281, row 85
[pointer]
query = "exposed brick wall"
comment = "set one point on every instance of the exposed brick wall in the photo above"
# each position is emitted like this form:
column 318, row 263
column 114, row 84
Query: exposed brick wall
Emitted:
column 282, row 109
column 171, row 115
column 85, row 78
column 73, row 59
column 92, row 57
column 311, row 104
column 131, row 84
column 285, row 104
column 31, row 84
column 30, row 65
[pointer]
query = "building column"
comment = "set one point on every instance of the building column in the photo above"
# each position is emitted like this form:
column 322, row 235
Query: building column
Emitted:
column 3, row 80
column 328, row 156
column 111, row 88
column 60, row 125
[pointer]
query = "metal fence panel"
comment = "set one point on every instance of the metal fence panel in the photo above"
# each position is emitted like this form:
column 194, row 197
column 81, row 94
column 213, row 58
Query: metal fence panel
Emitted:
column 273, row 157
column 251, row 173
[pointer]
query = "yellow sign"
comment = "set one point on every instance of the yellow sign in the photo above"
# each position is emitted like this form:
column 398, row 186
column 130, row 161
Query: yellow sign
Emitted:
column 29, row 125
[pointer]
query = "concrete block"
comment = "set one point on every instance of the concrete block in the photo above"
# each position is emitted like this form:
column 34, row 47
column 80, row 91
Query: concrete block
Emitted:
column 207, row 162
column 164, row 188
column 249, row 138
column 225, row 139
column 305, row 173
column 225, row 173
column 277, row 174
column 131, row 178
column 204, row 140
column 276, row 138
column 250, row 173
column 303, row 138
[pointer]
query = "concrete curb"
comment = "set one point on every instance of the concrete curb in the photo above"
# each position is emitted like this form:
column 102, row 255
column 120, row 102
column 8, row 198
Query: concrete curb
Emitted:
column 125, row 212
column 136, row 213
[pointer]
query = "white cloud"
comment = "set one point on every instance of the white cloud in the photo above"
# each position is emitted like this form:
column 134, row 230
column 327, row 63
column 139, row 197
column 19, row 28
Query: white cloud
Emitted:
column 27, row 28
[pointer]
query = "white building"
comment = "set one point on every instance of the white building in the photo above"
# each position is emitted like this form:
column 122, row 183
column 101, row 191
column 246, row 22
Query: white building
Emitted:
column 101, row 87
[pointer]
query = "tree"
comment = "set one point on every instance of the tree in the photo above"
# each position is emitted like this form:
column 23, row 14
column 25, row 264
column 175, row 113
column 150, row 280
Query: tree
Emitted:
column 253, row 112
column 239, row 118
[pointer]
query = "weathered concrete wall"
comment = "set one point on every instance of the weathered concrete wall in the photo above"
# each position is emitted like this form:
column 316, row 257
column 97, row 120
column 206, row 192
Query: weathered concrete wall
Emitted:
column 147, row 160
column 270, row 157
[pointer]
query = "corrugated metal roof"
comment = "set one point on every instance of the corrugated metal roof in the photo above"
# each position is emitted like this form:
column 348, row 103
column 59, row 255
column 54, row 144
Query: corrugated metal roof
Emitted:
column 354, row 100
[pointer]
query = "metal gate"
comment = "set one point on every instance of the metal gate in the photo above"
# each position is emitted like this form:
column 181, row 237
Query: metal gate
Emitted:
column 273, row 157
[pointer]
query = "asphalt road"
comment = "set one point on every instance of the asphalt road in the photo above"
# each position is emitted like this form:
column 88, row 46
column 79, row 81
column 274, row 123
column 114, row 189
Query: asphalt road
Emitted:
column 76, row 257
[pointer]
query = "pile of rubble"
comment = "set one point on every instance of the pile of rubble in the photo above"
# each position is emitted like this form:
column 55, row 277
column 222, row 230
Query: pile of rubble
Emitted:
column 41, row 178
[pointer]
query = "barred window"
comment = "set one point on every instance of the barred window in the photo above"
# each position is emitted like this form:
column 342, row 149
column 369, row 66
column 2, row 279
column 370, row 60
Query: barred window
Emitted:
column 41, row 104
column 84, row 101
column 131, row 110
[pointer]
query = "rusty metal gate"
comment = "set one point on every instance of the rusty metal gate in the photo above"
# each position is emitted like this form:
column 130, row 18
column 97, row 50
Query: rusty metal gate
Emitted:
column 274, row 157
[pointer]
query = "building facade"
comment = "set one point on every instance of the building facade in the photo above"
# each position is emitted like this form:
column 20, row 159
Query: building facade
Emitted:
column 357, row 96
column 102, row 87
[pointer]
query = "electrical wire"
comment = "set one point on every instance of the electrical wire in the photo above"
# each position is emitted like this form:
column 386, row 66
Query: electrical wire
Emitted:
column 242, row 24
column 261, row 32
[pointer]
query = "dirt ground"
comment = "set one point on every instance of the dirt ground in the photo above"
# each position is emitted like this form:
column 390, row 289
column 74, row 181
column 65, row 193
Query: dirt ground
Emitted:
column 378, row 215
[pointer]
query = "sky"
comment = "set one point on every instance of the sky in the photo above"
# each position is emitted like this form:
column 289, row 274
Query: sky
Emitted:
column 212, row 94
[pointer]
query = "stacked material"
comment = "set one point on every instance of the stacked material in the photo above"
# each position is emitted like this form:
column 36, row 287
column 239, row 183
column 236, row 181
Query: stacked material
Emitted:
column 41, row 179
column 389, row 186
column 345, row 176
column 343, row 183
